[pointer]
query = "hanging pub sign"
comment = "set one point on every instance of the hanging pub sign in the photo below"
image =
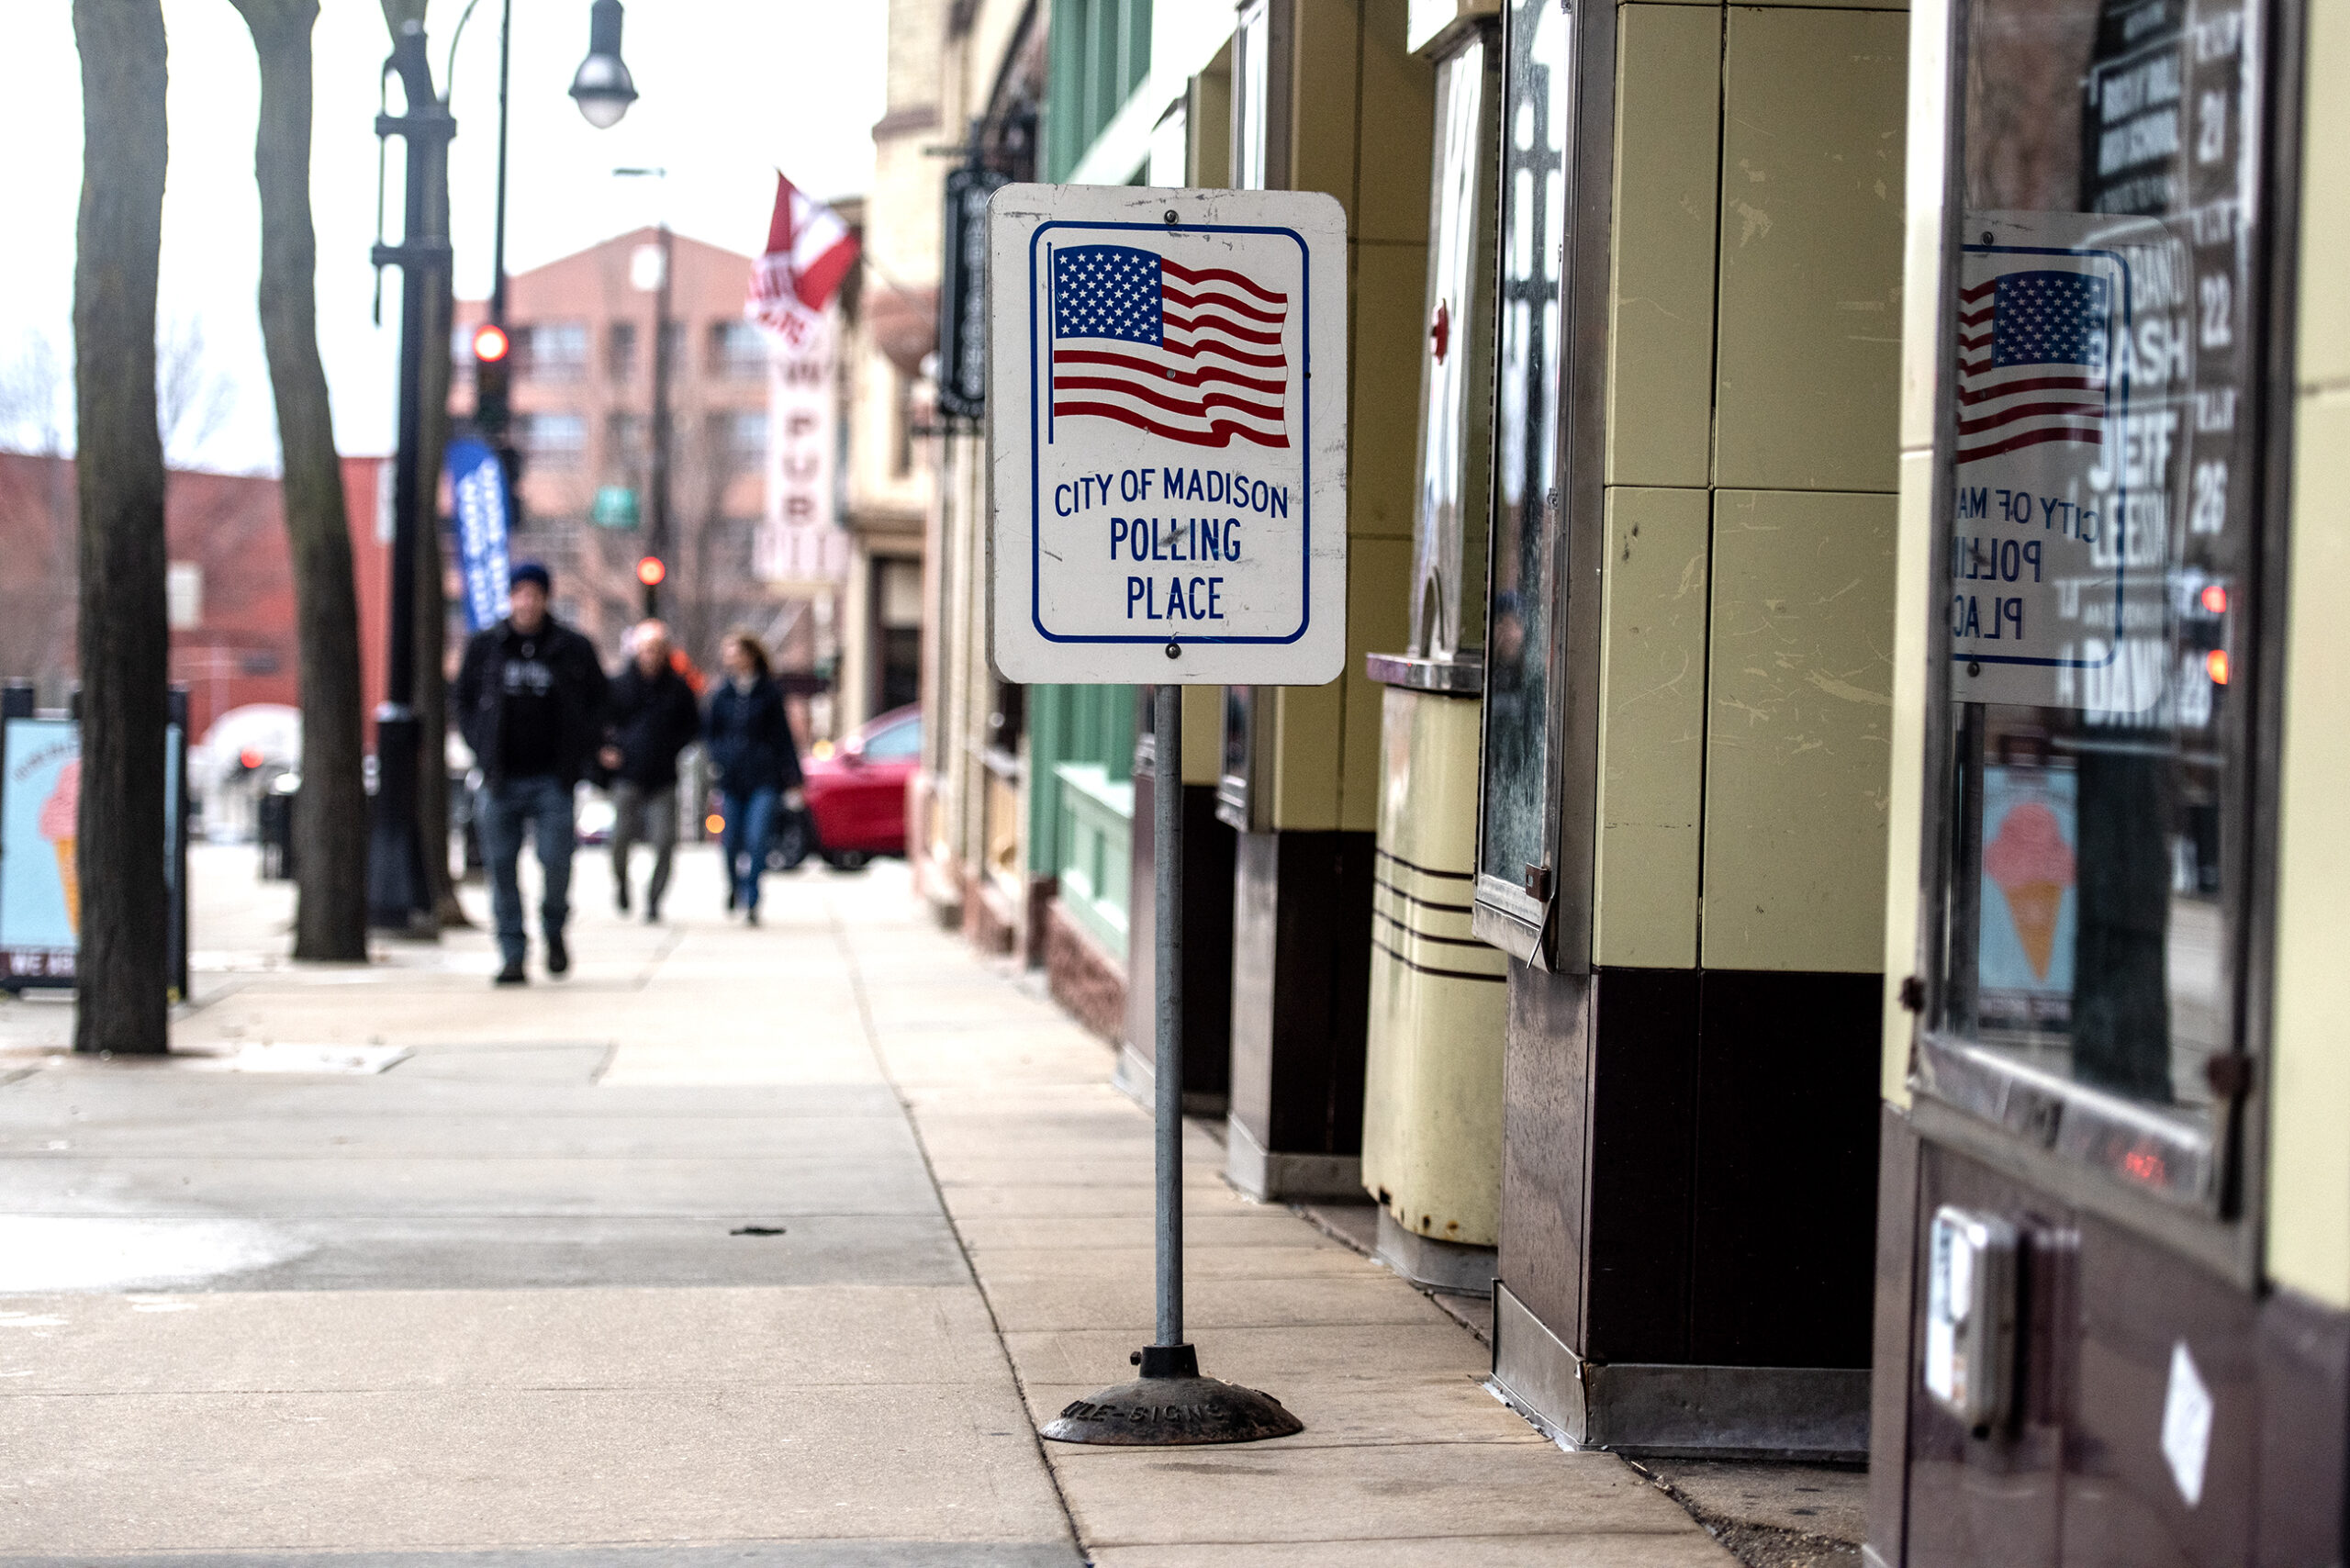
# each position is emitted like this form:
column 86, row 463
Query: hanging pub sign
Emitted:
column 963, row 293
column 1168, row 435
column 800, row 539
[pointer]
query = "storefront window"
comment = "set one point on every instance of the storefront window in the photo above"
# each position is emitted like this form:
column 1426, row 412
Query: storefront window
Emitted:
column 1514, row 827
column 2101, row 444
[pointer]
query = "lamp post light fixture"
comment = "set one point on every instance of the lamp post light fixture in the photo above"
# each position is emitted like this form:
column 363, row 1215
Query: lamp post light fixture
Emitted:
column 602, row 87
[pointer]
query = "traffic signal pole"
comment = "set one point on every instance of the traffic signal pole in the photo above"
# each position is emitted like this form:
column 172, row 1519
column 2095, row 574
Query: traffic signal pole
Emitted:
column 656, row 521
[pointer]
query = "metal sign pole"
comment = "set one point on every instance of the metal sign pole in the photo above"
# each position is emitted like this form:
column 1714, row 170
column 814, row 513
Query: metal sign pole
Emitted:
column 1167, row 968
column 1170, row 1402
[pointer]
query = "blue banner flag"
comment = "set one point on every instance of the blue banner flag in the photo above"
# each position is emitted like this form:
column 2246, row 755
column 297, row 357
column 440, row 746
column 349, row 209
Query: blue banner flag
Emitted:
column 477, row 482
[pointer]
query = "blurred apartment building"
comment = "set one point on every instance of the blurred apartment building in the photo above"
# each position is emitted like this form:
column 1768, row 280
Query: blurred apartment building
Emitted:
column 584, row 329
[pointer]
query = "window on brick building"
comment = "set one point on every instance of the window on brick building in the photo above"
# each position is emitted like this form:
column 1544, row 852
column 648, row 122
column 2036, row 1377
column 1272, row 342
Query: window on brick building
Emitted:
column 626, row 447
column 551, row 351
column 738, row 438
column 553, row 441
column 619, row 351
column 738, row 350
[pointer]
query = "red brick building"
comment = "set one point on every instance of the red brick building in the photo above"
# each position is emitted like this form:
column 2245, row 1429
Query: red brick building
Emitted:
column 231, row 584
column 583, row 330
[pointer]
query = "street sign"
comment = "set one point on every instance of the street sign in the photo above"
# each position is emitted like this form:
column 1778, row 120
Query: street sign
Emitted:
column 1167, row 438
column 614, row 507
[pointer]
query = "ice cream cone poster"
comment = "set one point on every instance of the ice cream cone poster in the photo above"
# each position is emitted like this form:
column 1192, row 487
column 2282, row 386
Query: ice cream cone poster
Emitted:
column 2030, row 835
column 40, row 888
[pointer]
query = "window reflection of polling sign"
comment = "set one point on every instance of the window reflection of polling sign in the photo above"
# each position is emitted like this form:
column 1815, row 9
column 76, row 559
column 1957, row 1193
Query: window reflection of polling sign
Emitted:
column 2061, row 460
column 1166, row 400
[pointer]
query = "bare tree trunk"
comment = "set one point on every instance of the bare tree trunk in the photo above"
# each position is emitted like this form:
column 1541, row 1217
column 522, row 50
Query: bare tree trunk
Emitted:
column 125, row 641
column 331, row 813
column 432, row 587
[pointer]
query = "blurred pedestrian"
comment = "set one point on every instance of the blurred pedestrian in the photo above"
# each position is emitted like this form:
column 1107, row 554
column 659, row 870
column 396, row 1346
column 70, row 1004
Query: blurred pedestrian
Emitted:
column 530, row 699
column 750, row 745
column 653, row 716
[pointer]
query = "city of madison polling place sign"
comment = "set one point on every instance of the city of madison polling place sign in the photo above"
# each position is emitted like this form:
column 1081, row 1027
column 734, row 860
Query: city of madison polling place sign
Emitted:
column 1168, row 437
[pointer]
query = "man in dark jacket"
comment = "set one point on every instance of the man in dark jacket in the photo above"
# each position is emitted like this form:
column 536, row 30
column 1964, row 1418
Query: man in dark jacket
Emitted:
column 652, row 718
column 530, row 699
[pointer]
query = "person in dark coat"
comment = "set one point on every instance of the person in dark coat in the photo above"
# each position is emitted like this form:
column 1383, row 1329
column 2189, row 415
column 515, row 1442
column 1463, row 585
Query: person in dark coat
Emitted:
column 750, row 746
column 653, row 716
column 530, row 700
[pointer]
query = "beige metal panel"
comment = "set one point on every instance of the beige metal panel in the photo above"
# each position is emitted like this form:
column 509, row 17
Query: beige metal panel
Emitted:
column 2308, row 1186
column 1378, row 618
column 1202, row 733
column 2308, row 1238
column 1207, row 124
column 1432, row 1100
column 1325, row 50
column 1651, row 728
column 1931, row 141
column 1914, row 603
column 1398, row 131
column 1383, row 427
column 1309, row 738
column 1809, row 366
column 1799, row 697
column 1661, row 298
column 2324, row 356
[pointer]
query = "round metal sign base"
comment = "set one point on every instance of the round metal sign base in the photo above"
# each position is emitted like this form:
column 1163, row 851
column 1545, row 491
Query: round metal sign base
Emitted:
column 1171, row 1404
column 1164, row 1412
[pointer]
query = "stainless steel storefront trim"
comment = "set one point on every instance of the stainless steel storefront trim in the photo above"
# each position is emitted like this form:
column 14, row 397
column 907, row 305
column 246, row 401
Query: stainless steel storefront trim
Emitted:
column 1672, row 1411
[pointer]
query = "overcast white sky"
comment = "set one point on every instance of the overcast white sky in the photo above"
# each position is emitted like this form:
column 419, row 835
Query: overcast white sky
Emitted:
column 731, row 90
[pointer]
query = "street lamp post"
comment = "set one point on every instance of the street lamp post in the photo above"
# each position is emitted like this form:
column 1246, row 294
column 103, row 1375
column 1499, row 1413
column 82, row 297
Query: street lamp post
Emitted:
column 398, row 897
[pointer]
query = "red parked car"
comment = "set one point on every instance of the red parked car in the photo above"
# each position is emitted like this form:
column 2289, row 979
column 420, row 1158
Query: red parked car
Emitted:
column 857, row 794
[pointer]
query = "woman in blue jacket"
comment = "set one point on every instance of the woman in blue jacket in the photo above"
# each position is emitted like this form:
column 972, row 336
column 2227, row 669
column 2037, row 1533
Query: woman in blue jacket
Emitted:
column 750, row 745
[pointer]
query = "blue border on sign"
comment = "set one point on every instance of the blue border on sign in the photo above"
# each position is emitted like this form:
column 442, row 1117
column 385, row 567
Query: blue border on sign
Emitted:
column 1306, row 441
column 2120, row 489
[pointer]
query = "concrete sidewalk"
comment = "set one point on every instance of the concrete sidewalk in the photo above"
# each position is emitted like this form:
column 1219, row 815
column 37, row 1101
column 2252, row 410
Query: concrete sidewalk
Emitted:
column 745, row 1247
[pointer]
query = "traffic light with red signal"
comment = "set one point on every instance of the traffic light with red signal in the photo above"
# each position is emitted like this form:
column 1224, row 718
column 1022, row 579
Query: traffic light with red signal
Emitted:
column 493, row 373
column 651, row 571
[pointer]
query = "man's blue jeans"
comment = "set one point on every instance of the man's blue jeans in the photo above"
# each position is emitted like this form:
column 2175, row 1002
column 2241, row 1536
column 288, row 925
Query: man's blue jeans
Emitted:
column 750, row 822
column 543, row 802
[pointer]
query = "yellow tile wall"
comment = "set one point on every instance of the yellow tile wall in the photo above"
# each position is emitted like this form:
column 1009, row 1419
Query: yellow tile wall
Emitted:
column 1752, row 378
column 1810, row 249
column 1652, row 728
column 1661, row 310
column 1799, row 694
column 1364, row 111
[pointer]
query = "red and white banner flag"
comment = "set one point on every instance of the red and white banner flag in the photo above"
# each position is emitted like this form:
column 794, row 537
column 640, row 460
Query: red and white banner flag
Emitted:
column 809, row 252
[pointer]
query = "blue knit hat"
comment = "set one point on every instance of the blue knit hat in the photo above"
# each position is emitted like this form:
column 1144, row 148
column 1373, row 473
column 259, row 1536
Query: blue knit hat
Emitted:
column 530, row 572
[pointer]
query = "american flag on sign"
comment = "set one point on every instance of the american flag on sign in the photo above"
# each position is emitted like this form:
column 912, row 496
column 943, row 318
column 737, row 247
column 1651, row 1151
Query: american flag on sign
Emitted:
column 1195, row 356
column 2031, row 362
